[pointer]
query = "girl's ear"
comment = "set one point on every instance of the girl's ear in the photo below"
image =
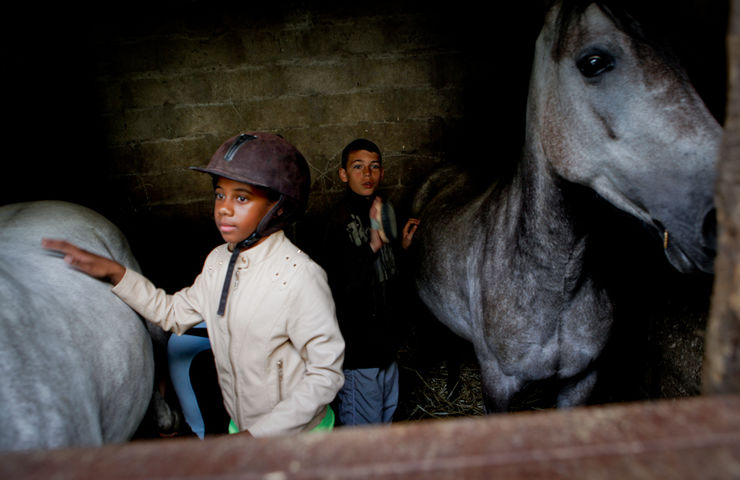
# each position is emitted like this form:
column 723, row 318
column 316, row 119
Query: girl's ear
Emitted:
column 343, row 175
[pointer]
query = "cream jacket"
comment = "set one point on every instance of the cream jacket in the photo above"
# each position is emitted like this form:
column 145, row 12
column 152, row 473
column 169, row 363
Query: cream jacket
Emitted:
column 278, row 349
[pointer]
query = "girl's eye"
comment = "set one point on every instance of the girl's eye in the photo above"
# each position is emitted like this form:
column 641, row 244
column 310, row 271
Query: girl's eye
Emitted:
column 242, row 199
column 219, row 195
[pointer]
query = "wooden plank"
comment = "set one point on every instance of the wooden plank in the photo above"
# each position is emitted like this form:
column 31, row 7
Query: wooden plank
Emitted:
column 690, row 438
column 721, row 370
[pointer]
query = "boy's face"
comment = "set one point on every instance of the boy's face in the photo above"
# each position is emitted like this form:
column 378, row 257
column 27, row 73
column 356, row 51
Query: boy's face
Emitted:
column 363, row 172
column 238, row 209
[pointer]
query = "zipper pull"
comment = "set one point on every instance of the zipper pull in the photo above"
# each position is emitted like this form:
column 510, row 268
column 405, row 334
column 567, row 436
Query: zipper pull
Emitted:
column 280, row 379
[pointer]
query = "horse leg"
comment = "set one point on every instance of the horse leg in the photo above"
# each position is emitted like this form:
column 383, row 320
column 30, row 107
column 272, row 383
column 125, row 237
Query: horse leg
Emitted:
column 167, row 419
column 498, row 388
column 577, row 391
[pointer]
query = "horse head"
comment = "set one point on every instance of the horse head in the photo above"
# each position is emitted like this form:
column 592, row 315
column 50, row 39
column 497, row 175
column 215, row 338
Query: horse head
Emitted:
column 612, row 111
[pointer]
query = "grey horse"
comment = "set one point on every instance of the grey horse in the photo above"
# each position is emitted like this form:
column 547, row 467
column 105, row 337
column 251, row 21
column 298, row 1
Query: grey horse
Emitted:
column 508, row 269
column 76, row 363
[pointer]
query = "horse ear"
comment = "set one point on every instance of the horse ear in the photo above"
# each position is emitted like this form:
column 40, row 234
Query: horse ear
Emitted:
column 343, row 175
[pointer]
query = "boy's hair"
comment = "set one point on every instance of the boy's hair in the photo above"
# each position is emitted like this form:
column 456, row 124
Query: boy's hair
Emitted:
column 360, row 144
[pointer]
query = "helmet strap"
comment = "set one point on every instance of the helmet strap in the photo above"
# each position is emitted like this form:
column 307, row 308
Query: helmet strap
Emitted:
column 245, row 244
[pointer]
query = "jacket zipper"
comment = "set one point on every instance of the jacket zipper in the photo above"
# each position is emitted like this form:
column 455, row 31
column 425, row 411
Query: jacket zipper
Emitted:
column 280, row 380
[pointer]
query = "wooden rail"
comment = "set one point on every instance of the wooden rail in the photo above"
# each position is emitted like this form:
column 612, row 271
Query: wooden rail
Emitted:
column 690, row 438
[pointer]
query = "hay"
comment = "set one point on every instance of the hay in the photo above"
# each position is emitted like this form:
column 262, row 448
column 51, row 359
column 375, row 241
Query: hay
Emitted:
column 439, row 396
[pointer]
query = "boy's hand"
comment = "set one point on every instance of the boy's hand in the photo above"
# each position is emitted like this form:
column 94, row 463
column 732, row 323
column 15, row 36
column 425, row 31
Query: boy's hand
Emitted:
column 375, row 239
column 86, row 262
column 408, row 232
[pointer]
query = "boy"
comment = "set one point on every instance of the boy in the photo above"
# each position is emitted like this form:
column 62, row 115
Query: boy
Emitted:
column 267, row 306
column 361, row 266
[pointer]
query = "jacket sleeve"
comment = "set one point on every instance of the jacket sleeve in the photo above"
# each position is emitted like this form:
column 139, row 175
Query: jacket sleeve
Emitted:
column 314, row 332
column 175, row 313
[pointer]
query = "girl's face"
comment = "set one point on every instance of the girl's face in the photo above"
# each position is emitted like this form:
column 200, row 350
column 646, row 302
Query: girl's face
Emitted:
column 238, row 209
column 363, row 172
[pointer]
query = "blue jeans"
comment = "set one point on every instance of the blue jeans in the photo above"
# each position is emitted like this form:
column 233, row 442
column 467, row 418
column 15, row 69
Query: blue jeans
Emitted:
column 369, row 395
column 181, row 350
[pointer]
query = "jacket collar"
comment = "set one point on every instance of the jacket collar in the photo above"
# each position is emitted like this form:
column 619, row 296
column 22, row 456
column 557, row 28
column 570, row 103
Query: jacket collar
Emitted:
column 265, row 249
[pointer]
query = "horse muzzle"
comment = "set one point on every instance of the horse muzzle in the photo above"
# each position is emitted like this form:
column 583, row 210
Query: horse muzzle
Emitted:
column 695, row 256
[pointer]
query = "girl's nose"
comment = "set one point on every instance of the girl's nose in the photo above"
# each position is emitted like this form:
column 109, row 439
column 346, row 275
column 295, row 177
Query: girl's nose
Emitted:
column 224, row 209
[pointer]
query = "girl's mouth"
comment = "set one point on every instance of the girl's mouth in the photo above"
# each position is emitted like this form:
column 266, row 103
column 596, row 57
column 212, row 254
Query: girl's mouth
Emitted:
column 226, row 228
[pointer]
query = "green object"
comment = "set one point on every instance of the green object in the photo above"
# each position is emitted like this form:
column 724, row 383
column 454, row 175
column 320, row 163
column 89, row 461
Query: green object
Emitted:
column 327, row 423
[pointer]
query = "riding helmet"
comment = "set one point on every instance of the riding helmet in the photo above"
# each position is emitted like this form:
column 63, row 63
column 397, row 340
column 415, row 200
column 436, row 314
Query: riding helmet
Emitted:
column 263, row 159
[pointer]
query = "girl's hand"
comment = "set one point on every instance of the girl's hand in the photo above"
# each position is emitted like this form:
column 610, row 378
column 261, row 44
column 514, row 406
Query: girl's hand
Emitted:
column 86, row 262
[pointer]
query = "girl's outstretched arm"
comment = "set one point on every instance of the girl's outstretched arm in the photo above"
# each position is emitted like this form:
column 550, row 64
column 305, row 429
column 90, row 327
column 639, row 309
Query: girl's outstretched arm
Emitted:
column 86, row 262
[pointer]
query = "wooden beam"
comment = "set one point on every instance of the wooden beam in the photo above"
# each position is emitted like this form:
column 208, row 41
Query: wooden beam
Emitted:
column 690, row 438
column 721, row 369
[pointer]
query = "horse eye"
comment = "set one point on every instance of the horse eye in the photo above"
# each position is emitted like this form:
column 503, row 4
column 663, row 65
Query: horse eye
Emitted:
column 595, row 64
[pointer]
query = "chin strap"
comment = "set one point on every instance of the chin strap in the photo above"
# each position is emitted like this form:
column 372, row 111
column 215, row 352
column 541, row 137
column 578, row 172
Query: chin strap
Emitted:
column 245, row 244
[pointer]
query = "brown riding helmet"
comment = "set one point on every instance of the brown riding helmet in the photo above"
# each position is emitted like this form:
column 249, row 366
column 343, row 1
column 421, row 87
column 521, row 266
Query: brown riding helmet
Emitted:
column 265, row 160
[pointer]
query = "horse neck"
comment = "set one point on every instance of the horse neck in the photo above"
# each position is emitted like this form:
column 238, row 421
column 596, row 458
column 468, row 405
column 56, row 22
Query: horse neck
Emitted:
column 545, row 217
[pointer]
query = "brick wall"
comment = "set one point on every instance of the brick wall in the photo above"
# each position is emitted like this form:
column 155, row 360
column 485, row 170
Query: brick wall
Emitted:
column 170, row 98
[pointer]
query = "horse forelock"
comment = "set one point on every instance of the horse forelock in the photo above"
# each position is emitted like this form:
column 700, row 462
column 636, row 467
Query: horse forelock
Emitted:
column 642, row 22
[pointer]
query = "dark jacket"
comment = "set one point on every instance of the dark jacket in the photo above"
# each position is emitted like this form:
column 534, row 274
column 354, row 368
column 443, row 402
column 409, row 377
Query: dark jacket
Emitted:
column 362, row 284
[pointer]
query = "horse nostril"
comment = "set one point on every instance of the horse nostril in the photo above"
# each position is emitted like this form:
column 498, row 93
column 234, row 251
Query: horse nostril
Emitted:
column 709, row 230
